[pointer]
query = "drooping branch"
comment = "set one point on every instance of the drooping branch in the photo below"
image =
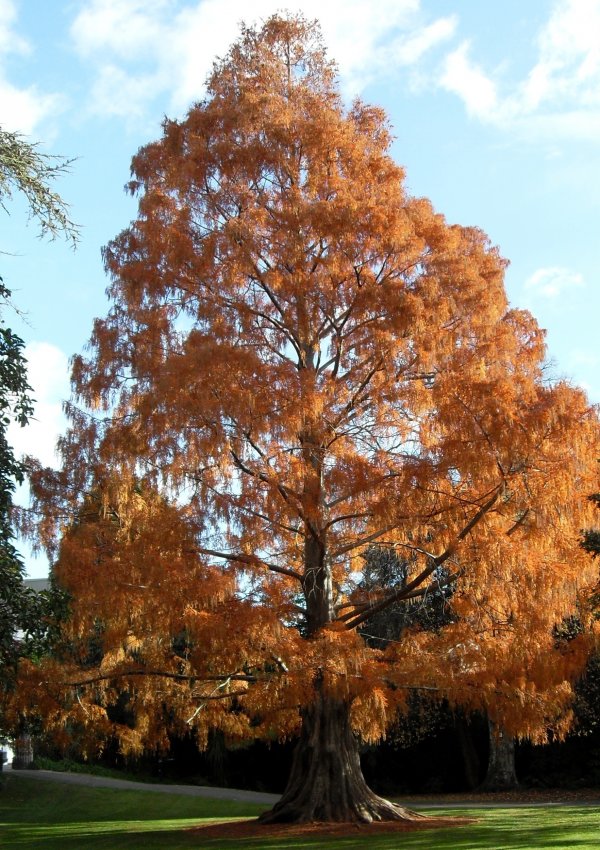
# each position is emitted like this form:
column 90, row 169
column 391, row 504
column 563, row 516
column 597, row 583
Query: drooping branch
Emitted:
column 251, row 560
column 163, row 674
column 356, row 396
column 351, row 622
column 519, row 522
column 209, row 697
column 362, row 541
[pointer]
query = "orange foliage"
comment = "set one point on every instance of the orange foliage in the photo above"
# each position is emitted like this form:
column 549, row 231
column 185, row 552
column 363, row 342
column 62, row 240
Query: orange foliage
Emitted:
column 301, row 359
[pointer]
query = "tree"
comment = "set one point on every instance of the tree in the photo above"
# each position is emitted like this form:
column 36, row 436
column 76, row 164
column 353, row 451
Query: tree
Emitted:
column 24, row 169
column 26, row 617
column 303, row 360
column 23, row 614
column 590, row 543
column 383, row 567
column 14, row 403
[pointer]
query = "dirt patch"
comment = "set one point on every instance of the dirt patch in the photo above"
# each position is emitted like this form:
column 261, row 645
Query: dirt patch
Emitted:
column 254, row 829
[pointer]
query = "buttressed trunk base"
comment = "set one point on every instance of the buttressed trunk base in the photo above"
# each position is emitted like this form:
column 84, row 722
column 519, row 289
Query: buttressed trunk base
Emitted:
column 326, row 781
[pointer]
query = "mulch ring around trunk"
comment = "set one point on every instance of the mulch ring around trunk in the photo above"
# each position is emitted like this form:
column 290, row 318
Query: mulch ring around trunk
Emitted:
column 253, row 829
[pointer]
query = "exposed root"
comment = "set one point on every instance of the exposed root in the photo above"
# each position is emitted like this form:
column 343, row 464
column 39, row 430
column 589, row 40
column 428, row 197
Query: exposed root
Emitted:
column 368, row 808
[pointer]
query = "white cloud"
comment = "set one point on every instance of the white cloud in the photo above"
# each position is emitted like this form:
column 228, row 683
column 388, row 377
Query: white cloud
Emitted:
column 560, row 94
column 552, row 282
column 143, row 48
column 21, row 109
column 124, row 27
column 411, row 48
column 469, row 82
column 48, row 375
column 10, row 42
column 115, row 92
column 569, row 56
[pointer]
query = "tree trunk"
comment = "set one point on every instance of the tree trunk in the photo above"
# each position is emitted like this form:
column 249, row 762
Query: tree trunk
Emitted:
column 501, row 772
column 468, row 751
column 326, row 781
column 23, row 757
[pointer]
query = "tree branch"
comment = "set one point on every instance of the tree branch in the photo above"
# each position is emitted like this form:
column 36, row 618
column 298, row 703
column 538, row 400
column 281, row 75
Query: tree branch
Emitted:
column 404, row 592
column 251, row 560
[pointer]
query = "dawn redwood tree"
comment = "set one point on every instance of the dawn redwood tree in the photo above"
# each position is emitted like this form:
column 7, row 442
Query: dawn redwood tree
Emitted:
column 303, row 360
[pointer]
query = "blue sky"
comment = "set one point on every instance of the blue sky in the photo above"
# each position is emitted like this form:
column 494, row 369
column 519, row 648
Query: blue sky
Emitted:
column 495, row 109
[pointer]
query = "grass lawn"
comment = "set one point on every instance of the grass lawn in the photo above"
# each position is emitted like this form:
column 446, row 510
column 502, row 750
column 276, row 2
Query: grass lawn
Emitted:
column 38, row 815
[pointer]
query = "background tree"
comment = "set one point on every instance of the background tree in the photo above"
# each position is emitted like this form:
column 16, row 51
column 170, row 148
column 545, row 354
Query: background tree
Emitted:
column 510, row 637
column 508, row 663
column 309, row 361
column 383, row 567
column 590, row 543
column 14, row 403
column 23, row 614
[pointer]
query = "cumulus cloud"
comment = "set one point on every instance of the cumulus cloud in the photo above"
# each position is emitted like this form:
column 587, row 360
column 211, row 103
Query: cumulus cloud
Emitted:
column 142, row 48
column 568, row 65
column 21, row 109
column 550, row 283
column 466, row 79
column 48, row 375
column 10, row 42
column 559, row 97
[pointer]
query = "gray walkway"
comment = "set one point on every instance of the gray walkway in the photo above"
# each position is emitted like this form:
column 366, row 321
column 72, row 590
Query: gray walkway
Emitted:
column 238, row 795
column 124, row 784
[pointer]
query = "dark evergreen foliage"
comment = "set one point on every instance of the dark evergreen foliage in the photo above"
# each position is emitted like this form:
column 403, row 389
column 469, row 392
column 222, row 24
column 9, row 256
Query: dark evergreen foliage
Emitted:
column 384, row 568
column 26, row 617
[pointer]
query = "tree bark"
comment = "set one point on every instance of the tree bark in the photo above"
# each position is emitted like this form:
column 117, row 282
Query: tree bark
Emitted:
column 468, row 751
column 501, row 772
column 326, row 781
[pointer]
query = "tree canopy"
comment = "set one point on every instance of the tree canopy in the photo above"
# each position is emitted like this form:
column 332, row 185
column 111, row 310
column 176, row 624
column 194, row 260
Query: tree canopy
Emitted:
column 301, row 360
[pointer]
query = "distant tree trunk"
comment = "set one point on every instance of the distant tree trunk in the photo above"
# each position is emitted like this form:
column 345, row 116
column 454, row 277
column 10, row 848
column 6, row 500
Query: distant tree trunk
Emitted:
column 470, row 756
column 216, row 756
column 501, row 772
column 23, row 757
column 326, row 781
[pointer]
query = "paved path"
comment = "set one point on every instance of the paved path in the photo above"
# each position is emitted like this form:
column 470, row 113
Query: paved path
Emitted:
column 92, row 781
column 238, row 795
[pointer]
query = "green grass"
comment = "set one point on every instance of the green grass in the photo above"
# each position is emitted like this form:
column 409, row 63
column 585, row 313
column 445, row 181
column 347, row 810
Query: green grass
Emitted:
column 36, row 815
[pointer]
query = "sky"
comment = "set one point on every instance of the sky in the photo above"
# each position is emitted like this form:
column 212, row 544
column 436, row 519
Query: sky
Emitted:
column 496, row 116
